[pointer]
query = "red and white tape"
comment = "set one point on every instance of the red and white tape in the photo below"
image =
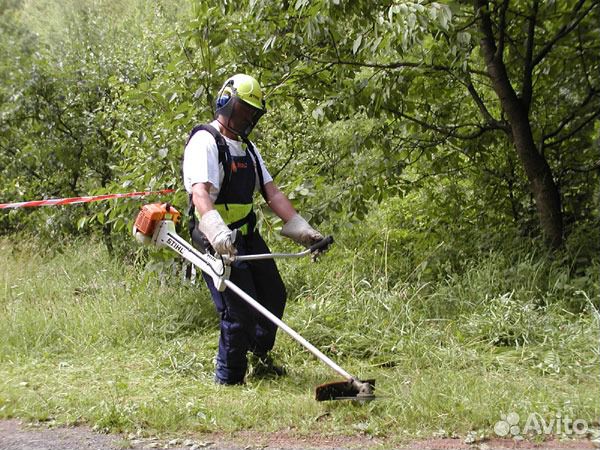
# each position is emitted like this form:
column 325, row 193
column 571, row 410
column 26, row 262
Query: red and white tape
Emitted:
column 72, row 200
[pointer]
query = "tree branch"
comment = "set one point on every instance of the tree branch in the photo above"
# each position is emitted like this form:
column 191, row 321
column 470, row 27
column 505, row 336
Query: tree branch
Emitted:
column 396, row 65
column 337, row 53
column 488, row 43
column 574, row 131
column 527, row 88
column 501, row 31
column 190, row 60
column 289, row 159
column 574, row 114
column 447, row 132
column 562, row 32
column 592, row 168
column 482, row 108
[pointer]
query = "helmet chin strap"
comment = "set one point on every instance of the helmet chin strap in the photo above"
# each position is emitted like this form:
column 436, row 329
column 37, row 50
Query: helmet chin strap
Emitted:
column 226, row 127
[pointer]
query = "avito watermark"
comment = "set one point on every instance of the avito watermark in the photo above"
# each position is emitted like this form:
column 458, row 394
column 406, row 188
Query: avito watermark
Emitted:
column 510, row 425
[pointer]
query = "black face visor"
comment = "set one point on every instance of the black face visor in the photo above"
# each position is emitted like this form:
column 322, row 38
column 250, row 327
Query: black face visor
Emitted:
column 239, row 117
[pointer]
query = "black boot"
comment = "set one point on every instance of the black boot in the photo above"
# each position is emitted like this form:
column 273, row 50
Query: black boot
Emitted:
column 217, row 380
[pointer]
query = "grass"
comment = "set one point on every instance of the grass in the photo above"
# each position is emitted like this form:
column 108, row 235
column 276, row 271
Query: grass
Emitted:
column 88, row 339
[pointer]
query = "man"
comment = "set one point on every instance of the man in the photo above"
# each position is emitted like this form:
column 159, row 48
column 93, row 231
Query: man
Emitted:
column 222, row 169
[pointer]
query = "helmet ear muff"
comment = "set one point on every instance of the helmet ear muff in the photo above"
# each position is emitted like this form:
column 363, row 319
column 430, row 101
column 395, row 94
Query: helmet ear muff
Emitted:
column 225, row 94
column 222, row 100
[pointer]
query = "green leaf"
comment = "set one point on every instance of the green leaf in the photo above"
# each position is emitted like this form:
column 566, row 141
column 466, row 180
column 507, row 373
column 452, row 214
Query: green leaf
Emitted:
column 356, row 44
column 81, row 223
column 298, row 105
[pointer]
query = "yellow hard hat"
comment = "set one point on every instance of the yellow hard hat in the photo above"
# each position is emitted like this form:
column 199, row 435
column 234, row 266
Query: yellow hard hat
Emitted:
column 240, row 104
column 244, row 87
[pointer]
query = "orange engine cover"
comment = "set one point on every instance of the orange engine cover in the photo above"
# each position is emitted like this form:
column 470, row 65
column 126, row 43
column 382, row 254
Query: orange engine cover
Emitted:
column 151, row 214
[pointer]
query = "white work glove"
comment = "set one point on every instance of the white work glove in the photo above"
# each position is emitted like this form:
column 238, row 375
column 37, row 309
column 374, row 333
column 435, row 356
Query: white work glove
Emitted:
column 217, row 233
column 300, row 231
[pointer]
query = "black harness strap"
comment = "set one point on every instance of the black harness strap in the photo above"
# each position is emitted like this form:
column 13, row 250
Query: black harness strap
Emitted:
column 224, row 160
column 223, row 148
column 261, row 180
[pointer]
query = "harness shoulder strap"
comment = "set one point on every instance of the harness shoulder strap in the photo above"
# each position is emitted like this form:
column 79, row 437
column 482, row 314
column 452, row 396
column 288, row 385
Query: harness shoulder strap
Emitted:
column 261, row 180
column 223, row 148
column 224, row 160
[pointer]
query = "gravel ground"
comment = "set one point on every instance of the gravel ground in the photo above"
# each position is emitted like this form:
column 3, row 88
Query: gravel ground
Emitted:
column 16, row 435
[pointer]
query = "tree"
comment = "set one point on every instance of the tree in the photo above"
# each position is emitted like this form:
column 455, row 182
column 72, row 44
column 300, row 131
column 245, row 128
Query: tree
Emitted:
column 541, row 37
column 63, row 85
column 462, row 76
column 484, row 111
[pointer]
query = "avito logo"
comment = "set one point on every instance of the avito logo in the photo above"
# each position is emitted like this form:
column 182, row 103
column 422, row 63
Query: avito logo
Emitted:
column 537, row 424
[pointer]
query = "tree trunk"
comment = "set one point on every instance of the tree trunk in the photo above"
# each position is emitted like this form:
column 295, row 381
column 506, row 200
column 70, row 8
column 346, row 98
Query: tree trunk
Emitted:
column 539, row 174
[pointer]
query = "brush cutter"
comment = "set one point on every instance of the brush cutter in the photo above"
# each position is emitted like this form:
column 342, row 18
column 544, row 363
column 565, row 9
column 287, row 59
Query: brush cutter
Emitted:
column 155, row 224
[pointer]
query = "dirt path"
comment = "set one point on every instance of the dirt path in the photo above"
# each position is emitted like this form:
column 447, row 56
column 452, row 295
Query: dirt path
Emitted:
column 15, row 435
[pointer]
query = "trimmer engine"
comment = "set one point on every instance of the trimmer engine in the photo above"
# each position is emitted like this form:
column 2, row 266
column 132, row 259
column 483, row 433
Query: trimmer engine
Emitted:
column 149, row 216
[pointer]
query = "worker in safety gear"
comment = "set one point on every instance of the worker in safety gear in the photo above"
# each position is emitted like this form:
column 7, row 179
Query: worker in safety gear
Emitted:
column 222, row 169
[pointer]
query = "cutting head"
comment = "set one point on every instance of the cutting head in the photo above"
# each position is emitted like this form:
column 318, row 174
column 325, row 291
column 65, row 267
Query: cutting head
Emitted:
column 361, row 391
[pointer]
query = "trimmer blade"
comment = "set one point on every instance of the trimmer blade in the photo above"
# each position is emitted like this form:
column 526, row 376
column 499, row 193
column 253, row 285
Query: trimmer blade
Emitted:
column 346, row 390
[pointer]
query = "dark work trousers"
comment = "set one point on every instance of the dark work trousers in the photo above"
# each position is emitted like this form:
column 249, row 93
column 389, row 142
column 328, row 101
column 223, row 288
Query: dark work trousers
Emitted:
column 242, row 328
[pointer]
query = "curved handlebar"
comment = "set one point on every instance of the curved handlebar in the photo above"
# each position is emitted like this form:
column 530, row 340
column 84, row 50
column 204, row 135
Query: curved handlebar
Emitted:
column 322, row 244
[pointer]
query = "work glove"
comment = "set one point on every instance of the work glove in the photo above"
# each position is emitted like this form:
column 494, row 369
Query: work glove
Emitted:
column 217, row 233
column 300, row 231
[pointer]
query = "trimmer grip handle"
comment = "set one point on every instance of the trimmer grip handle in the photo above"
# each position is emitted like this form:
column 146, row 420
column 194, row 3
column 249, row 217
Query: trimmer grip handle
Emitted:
column 322, row 244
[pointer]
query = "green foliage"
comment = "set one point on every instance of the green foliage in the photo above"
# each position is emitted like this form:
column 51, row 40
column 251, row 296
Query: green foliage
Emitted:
column 65, row 91
column 416, row 66
column 367, row 104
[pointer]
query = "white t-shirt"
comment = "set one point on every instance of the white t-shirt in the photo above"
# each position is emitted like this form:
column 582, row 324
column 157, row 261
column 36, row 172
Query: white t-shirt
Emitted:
column 201, row 161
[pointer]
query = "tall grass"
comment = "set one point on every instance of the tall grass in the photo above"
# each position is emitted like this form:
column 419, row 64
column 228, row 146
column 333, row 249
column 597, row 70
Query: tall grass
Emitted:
column 81, row 298
column 86, row 337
